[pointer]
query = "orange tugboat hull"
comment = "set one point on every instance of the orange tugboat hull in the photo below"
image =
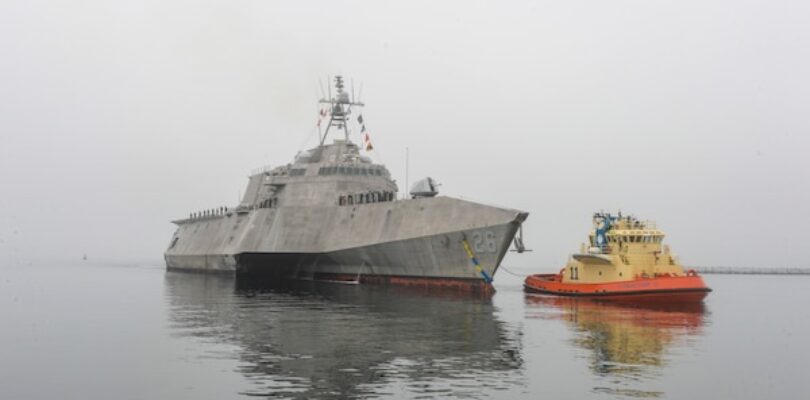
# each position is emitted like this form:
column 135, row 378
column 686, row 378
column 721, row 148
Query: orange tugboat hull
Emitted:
column 689, row 288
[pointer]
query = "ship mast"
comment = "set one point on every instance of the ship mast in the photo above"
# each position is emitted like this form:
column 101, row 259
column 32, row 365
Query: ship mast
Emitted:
column 340, row 107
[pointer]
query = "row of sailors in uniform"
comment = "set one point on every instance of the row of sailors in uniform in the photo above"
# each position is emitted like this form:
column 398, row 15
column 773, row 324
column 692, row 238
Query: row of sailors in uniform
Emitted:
column 348, row 199
column 365, row 198
column 208, row 213
column 268, row 203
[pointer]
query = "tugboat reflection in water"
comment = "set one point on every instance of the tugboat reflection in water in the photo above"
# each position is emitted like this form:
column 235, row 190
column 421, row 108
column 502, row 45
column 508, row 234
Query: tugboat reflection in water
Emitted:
column 318, row 340
column 626, row 341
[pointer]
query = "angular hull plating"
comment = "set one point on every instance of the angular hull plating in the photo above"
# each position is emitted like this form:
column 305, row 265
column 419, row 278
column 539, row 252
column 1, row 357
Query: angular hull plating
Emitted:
column 410, row 241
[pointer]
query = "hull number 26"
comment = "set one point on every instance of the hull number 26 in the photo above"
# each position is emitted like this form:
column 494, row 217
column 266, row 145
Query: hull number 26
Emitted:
column 484, row 242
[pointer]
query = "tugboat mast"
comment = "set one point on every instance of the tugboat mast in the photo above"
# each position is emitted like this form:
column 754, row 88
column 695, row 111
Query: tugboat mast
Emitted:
column 340, row 107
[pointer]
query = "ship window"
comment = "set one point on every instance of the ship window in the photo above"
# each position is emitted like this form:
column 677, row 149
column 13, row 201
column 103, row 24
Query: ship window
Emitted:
column 297, row 172
column 342, row 170
column 355, row 171
column 364, row 171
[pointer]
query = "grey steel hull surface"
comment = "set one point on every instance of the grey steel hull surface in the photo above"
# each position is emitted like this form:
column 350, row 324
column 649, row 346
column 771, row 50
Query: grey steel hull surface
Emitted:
column 410, row 239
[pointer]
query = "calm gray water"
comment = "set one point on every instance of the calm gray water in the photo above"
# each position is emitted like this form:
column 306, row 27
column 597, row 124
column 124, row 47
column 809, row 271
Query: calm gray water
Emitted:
column 91, row 331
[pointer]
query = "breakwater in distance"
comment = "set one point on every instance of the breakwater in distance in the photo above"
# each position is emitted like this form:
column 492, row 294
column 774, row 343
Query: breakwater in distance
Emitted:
column 752, row 270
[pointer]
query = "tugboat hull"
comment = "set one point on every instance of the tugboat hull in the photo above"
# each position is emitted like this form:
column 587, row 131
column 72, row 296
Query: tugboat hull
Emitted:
column 689, row 288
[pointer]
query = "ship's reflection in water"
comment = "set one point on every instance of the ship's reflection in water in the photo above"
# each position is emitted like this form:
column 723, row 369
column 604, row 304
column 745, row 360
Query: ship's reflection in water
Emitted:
column 317, row 340
column 625, row 343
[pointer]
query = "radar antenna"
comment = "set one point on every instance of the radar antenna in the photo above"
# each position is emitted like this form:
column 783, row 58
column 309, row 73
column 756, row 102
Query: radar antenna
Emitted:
column 340, row 107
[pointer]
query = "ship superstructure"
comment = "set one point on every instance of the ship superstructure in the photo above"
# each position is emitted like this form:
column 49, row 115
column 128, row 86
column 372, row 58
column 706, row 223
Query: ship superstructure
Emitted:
column 621, row 248
column 334, row 214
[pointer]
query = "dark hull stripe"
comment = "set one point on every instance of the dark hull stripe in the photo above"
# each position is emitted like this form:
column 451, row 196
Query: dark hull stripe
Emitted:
column 614, row 294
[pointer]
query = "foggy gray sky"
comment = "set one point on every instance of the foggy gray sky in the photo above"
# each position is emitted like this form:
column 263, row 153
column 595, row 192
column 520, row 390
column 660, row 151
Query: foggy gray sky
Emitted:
column 116, row 117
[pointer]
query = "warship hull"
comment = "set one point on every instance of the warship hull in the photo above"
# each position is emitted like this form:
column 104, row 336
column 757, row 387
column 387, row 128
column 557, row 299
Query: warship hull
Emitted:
column 412, row 242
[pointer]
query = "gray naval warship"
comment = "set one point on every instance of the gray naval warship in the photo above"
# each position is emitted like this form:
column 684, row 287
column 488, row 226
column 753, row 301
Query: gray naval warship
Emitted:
column 333, row 214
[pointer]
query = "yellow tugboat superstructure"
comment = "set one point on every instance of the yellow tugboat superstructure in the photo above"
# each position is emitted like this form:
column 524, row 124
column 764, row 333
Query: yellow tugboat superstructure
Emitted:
column 624, row 257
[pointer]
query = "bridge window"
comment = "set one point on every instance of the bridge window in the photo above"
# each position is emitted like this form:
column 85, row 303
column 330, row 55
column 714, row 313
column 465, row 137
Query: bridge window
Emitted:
column 298, row 172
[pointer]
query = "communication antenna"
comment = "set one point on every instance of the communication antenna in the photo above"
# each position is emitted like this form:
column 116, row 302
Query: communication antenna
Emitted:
column 340, row 107
column 407, row 156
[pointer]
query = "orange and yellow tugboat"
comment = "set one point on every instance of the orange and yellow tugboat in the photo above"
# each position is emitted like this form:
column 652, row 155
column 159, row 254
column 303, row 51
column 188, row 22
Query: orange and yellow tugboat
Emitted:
column 625, row 261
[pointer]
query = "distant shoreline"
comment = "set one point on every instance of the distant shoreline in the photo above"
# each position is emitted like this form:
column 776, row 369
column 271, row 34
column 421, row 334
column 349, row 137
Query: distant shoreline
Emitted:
column 752, row 271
